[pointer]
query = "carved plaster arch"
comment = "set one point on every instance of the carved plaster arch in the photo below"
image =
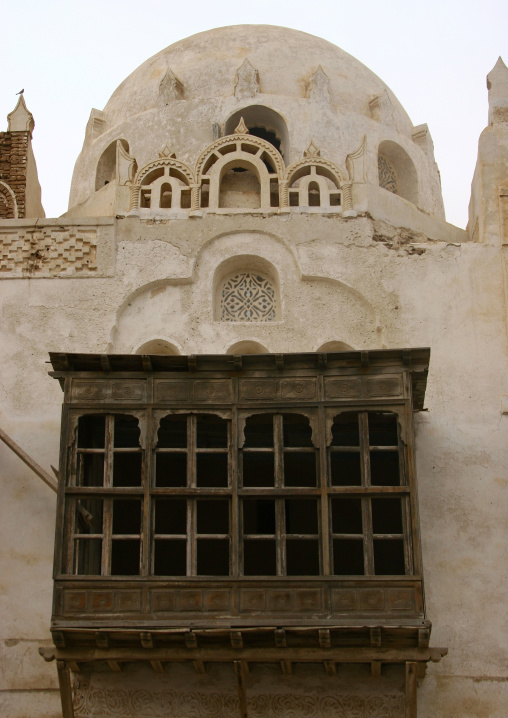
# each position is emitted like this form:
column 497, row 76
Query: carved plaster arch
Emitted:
column 180, row 168
column 232, row 143
column 324, row 167
column 10, row 199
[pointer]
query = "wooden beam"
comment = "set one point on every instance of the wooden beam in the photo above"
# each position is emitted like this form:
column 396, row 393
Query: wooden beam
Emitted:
column 41, row 473
column 411, row 706
column 146, row 640
column 240, row 686
column 236, row 639
column 190, row 640
column 64, row 682
column 325, row 640
column 375, row 637
column 115, row 666
column 280, row 638
column 101, row 640
column 74, row 667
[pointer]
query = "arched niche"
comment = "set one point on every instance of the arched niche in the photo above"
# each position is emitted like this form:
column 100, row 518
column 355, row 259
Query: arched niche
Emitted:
column 165, row 185
column 246, row 289
column 157, row 346
column 106, row 166
column 314, row 183
column 240, row 186
column 335, row 346
column 247, row 346
column 262, row 121
column 396, row 171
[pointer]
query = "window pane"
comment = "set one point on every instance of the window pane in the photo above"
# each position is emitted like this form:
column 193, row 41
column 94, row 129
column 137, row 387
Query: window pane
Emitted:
column 348, row 557
column 259, row 558
column 172, row 433
column 301, row 516
column 299, row 469
column 259, row 431
column 87, row 558
column 345, row 468
column 91, row 431
column 297, row 431
column 125, row 557
column 212, row 432
column 170, row 557
column 347, row 516
column 89, row 516
column 382, row 429
column 213, row 557
column 212, row 516
column 258, row 516
column 126, row 432
column 302, row 557
column 171, row 470
column 345, row 431
column 389, row 557
column 384, row 468
column 386, row 516
column 127, row 469
column 212, row 470
column 258, row 469
column 126, row 516
column 170, row 516
column 90, row 470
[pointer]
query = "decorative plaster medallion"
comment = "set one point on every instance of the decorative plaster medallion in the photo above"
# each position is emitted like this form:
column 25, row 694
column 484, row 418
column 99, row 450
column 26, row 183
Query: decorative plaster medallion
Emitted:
column 246, row 81
column 247, row 297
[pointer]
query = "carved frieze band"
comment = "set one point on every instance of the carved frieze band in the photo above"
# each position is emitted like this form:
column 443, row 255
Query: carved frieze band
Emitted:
column 362, row 387
column 214, row 390
column 132, row 390
column 95, row 702
column 311, row 600
column 294, row 389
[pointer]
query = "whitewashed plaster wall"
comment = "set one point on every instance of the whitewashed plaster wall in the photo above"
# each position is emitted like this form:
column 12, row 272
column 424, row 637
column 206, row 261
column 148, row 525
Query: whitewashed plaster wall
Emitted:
column 354, row 280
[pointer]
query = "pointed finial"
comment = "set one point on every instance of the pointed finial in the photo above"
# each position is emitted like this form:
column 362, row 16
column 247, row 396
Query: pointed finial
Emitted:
column 20, row 92
column 246, row 81
column 242, row 128
column 497, row 85
column 166, row 152
column 170, row 88
column 20, row 119
column 312, row 151
column 319, row 86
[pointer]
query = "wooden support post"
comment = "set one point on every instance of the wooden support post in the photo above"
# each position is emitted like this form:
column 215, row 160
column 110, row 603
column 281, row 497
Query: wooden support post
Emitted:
column 74, row 666
column 411, row 669
column 375, row 668
column 236, row 639
column 287, row 668
column 240, row 685
column 280, row 638
column 41, row 473
column 64, row 681
column 199, row 667
column 157, row 666
column 330, row 668
column 115, row 666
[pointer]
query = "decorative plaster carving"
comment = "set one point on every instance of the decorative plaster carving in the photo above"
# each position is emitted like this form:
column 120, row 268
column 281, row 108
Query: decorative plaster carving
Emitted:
column 20, row 119
column 387, row 175
column 312, row 150
column 247, row 297
column 332, row 170
column 166, row 162
column 126, row 166
column 231, row 140
column 166, row 152
column 381, row 109
column 170, row 88
column 319, row 86
column 8, row 200
column 246, row 81
column 48, row 252
column 355, row 163
column 96, row 124
column 242, row 128
column 97, row 702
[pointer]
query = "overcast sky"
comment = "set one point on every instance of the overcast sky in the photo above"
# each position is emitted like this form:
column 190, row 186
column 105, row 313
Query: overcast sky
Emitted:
column 70, row 56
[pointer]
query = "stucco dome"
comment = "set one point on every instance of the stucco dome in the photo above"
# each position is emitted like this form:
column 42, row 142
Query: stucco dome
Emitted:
column 184, row 97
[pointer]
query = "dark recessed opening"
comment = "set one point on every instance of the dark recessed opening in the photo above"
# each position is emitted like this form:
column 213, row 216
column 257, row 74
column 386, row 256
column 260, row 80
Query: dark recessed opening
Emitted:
column 386, row 516
column 302, row 557
column 212, row 516
column 345, row 430
column 259, row 516
column 259, row 557
column 90, row 470
column 348, row 557
column 389, row 557
column 347, row 516
column 212, row 470
column 91, row 431
column 171, row 470
column 267, row 135
column 170, row 557
column 345, row 468
column 126, row 516
column 172, row 433
column 127, row 469
column 213, row 557
column 126, row 432
column 171, row 516
column 384, row 468
column 258, row 469
column 301, row 516
column 125, row 557
column 259, row 431
column 299, row 469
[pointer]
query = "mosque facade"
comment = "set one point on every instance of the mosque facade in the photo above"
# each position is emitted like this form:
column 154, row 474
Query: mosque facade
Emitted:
column 259, row 387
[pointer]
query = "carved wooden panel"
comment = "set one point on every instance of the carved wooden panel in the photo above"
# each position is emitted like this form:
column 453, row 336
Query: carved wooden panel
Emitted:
column 363, row 387
column 294, row 389
column 201, row 391
column 117, row 391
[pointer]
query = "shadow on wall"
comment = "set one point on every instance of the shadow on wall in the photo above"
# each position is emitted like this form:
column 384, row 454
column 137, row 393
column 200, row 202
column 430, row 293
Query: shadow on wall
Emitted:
column 157, row 346
column 335, row 346
column 247, row 347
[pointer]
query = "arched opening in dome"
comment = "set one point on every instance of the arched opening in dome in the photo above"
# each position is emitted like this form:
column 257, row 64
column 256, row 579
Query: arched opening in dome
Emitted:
column 165, row 198
column 106, row 166
column 247, row 346
column 240, row 188
column 157, row 346
column 262, row 122
column 396, row 171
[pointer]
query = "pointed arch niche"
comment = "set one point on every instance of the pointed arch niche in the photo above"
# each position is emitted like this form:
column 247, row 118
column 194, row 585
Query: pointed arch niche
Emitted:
column 106, row 166
column 246, row 289
column 263, row 122
column 396, row 171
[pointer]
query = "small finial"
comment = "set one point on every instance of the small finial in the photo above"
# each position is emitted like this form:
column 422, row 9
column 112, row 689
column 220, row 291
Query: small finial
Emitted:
column 20, row 92
column 166, row 152
column 242, row 128
column 312, row 150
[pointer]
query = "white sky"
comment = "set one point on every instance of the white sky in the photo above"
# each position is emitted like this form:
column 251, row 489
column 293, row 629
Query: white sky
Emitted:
column 70, row 56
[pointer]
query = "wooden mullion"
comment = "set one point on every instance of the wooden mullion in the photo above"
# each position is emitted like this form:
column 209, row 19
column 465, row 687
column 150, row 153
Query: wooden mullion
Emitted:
column 368, row 543
column 236, row 545
column 280, row 514
column 107, row 507
column 146, row 526
column 191, row 502
column 324, row 525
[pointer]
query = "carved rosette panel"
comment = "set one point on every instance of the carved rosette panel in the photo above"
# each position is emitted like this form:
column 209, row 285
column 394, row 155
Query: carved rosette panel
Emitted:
column 363, row 387
column 387, row 175
column 247, row 297
column 92, row 702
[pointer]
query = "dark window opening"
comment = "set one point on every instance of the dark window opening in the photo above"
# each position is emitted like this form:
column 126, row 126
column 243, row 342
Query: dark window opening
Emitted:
column 314, row 195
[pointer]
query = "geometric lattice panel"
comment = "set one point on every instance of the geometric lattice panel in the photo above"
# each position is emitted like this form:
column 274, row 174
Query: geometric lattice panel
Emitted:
column 247, row 297
column 387, row 175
